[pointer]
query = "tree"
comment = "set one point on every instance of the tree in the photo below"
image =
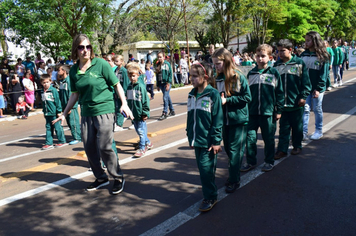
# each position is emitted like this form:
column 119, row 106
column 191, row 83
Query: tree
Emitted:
column 117, row 23
column 51, row 25
column 261, row 12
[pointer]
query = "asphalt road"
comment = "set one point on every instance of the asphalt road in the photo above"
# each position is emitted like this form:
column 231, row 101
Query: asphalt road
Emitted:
column 43, row 192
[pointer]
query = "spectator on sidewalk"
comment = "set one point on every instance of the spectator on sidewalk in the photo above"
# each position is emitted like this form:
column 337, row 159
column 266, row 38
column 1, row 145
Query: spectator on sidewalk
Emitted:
column 22, row 108
column 2, row 102
column 29, row 87
column 16, row 91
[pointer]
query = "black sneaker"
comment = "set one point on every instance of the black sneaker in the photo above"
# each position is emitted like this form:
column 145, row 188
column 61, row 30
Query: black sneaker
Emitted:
column 163, row 116
column 246, row 167
column 118, row 186
column 206, row 205
column 172, row 113
column 97, row 184
column 231, row 187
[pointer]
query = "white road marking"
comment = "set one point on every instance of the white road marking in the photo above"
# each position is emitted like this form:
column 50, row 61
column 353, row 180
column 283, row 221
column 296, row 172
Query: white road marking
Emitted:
column 34, row 152
column 61, row 182
column 192, row 212
column 41, row 135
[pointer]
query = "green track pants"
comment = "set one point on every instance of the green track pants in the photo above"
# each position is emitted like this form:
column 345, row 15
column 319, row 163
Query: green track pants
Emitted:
column 74, row 124
column 268, row 129
column 207, row 165
column 234, row 137
column 290, row 120
column 51, row 128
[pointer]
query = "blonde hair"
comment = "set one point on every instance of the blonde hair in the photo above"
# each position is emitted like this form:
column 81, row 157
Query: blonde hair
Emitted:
column 231, row 76
column 133, row 67
column 265, row 47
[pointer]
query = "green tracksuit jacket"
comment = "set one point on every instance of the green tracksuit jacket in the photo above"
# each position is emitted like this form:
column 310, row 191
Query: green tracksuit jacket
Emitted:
column 317, row 70
column 205, row 118
column 123, row 77
column 137, row 100
column 345, row 53
column 166, row 74
column 50, row 102
column 295, row 80
column 266, row 91
column 337, row 56
column 236, row 109
column 64, row 93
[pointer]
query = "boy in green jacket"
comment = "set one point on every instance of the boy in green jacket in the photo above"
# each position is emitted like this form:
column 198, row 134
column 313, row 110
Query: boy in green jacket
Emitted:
column 52, row 109
column 297, row 87
column 139, row 104
column 264, row 109
column 64, row 94
column 204, row 129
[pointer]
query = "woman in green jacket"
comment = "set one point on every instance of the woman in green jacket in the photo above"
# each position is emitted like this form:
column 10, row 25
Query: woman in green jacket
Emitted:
column 164, row 81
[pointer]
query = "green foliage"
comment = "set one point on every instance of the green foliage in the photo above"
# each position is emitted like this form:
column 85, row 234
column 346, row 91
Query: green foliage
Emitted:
column 49, row 25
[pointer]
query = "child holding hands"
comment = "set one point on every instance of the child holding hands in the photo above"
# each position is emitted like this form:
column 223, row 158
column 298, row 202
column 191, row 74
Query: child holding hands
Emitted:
column 204, row 129
column 139, row 104
column 52, row 109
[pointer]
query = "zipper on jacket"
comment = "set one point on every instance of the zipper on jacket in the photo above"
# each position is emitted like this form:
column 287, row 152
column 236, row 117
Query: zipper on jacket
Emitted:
column 259, row 96
column 285, row 89
column 195, row 121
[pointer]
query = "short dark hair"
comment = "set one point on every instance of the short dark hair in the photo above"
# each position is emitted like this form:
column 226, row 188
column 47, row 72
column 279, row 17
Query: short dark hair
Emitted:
column 44, row 77
column 285, row 43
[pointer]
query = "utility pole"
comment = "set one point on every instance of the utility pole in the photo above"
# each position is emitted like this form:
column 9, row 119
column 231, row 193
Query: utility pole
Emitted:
column 186, row 32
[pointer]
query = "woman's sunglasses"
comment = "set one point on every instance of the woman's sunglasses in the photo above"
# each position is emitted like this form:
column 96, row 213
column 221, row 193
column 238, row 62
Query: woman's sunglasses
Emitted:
column 81, row 47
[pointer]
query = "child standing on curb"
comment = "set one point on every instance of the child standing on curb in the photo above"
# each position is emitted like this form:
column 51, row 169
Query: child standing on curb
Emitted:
column 264, row 109
column 139, row 104
column 64, row 94
column 296, row 84
column 52, row 109
column 204, row 128
column 2, row 102
column 315, row 58
column 235, row 95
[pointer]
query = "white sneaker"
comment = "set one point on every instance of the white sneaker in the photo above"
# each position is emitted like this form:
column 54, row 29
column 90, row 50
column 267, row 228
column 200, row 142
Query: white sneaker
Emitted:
column 132, row 127
column 335, row 85
column 328, row 89
column 305, row 137
column 340, row 83
column 118, row 129
column 316, row 135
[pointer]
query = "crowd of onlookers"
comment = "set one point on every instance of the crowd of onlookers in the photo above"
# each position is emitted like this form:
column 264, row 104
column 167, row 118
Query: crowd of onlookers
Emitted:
column 20, row 82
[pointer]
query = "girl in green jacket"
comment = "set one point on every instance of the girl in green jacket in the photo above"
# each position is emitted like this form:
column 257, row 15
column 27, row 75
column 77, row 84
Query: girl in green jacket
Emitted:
column 235, row 95
column 204, row 127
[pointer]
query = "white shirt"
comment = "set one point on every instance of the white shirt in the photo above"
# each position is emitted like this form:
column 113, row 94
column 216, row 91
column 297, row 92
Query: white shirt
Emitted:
column 150, row 76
